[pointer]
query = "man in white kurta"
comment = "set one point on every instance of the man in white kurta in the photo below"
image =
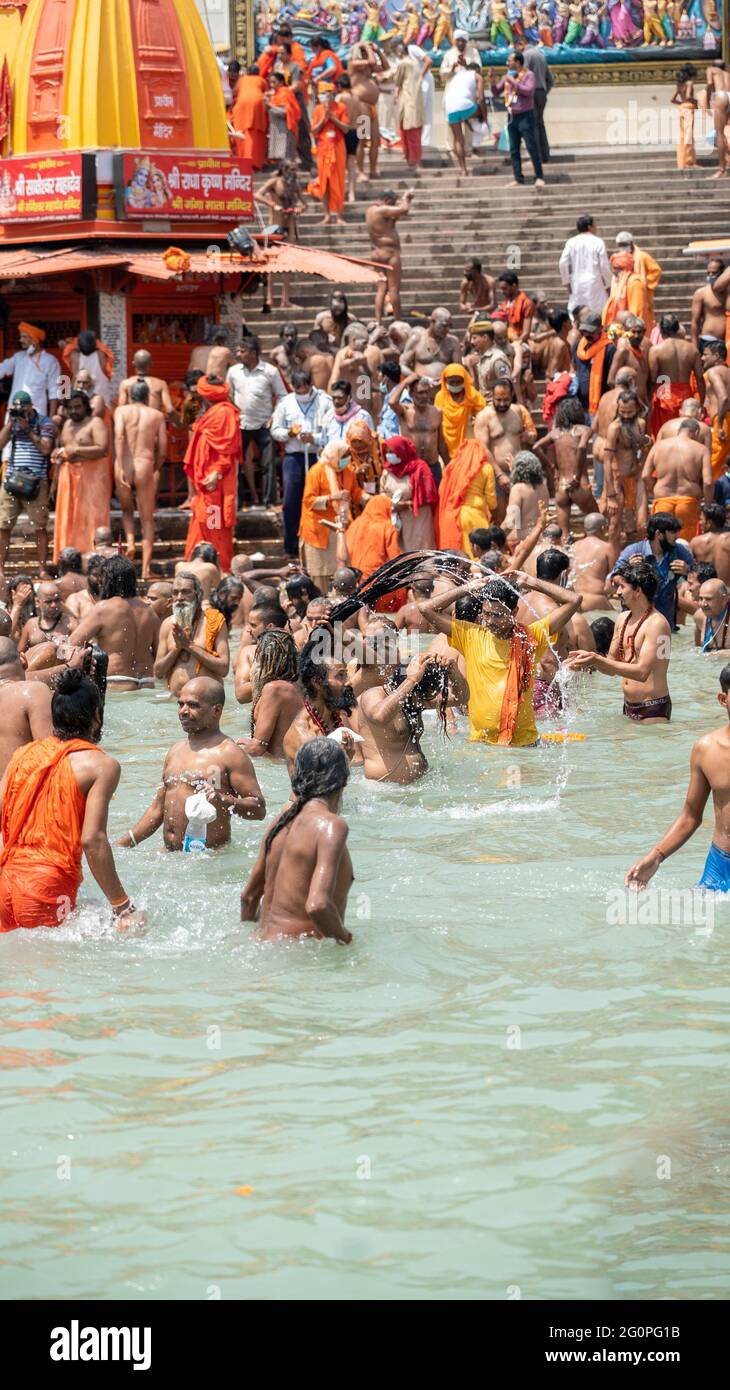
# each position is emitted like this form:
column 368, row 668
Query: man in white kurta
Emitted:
column 34, row 370
column 584, row 267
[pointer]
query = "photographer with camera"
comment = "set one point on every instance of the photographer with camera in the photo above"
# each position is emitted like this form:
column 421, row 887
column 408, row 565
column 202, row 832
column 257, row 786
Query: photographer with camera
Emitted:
column 26, row 442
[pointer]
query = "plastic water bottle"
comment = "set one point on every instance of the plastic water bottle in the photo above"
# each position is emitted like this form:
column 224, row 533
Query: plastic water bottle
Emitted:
column 199, row 813
column 195, row 837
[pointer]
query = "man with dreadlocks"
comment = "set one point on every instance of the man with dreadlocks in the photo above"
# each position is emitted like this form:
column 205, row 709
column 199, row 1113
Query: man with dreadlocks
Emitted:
column 206, row 765
column 328, row 697
column 501, row 656
column 276, row 698
column 303, row 873
column 392, row 702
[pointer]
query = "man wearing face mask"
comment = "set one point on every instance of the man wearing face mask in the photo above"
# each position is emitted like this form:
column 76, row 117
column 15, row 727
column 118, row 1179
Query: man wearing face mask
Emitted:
column 300, row 422
column 34, row 370
column 346, row 412
column 332, row 493
column 673, row 560
column 710, row 305
column 193, row 641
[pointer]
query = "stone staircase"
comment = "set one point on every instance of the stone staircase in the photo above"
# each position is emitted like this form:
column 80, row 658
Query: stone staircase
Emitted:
column 454, row 218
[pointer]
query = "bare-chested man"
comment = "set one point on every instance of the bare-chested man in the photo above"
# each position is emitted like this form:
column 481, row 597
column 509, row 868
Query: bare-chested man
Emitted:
column 675, row 372
column 318, row 358
column 358, row 363
column 303, row 873
column 124, row 626
column 715, row 97
column 712, row 546
column 289, row 355
column 265, row 613
column 632, row 350
column 213, row 357
column 203, row 563
column 355, row 113
column 528, row 489
column 391, row 710
column 335, row 319
column 709, row 772
column 717, row 383
column 52, row 625
column 159, row 391
column 677, row 473
column 640, row 647
column 328, row 697
column 564, row 451
column 80, row 603
column 26, row 705
column 421, row 420
column 206, row 761
column 429, row 350
column 84, row 438
column 140, row 438
column 504, row 428
column 690, row 410
column 709, row 305
column 187, row 646
column 366, row 69
column 592, row 558
column 381, row 220
column 104, row 542
column 476, row 291
column 276, row 698
column 712, row 618
column 627, row 445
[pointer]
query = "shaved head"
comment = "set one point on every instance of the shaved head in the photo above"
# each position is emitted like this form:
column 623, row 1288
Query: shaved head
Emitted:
column 9, row 655
column 204, row 690
column 594, row 523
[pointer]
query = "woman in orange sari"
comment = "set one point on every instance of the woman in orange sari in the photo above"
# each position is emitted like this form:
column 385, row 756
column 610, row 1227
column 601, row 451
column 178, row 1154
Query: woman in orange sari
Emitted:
column 250, row 118
column 212, row 461
column 329, row 124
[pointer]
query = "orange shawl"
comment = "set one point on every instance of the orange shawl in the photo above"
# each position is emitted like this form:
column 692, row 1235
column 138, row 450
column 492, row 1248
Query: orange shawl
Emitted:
column 249, row 108
column 519, row 675
column 516, row 311
column 43, row 808
column 215, row 446
column 372, row 538
column 331, row 157
column 107, row 365
column 214, row 621
column 595, row 353
column 458, row 477
column 285, row 99
column 321, row 481
column 456, row 415
column 628, row 291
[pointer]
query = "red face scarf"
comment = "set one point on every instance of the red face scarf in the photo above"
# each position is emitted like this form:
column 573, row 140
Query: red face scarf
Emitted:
column 423, row 487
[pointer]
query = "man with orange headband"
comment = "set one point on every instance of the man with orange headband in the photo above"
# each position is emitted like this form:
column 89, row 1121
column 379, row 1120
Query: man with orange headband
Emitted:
column 501, row 655
column 212, row 462
column 34, row 370
column 330, row 121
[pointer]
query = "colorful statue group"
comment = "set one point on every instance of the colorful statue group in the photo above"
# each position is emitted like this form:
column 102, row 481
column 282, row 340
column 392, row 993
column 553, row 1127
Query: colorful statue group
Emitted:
column 575, row 24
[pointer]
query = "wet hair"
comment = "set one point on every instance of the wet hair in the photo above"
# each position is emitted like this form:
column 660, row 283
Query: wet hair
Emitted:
column 76, row 705
column 118, row 578
column 275, row 659
column 491, row 559
column 205, row 552
column 527, row 469
column 344, row 580
column 480, row 537
column 192, row 378
column 715, row 514
column 717, row 346
column 640, row 574
column 557, row 318
column 434, row 683
column 725, row 679
column 272, row 612
column 569, row 412
column 602, row 629
column 301, row 378
column 392, row 371
column 705, row 572
column 662, row 521
column 139, row 392
column 423, row 585
column 499, row 591
column 509, row 277
column 70, row 561
column 550, row 564
column 320, row 769
column 15, row 583
column 312, row 658
column 584, row 223
column 669, row 325
column 301, row 586
column 94, row 566
column 226, row 597
column 686, row 73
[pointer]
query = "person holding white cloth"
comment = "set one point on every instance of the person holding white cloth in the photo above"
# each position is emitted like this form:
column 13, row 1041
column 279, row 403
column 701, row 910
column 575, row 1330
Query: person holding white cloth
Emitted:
column 584, row 267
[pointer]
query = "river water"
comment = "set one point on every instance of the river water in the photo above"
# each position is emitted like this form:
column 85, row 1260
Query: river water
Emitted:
column 504, row 1088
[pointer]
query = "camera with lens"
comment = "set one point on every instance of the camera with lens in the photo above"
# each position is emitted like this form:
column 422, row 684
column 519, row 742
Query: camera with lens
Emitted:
column 15, row 412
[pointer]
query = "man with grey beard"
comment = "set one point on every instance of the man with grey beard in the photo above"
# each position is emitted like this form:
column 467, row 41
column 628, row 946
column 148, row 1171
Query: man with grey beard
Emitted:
column 627, row 445
column 192, row 641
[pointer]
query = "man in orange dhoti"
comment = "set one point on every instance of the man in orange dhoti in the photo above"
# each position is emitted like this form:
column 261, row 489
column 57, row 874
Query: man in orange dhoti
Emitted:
column 250, row 117
column 212, row 462
column 329, row 123
column 82, row 478
column 55, row 801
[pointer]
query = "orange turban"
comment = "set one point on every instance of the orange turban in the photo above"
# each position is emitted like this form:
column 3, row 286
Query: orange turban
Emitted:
column 212, row 391
column 37, row 334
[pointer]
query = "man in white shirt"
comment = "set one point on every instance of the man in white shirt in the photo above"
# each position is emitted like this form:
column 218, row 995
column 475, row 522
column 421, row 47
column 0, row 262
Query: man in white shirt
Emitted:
column 34, row 370
column 301, row 421
column 256, row 388
column 584, row 267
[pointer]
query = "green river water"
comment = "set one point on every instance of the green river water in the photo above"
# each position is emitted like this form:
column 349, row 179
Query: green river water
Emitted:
column 497, row 1091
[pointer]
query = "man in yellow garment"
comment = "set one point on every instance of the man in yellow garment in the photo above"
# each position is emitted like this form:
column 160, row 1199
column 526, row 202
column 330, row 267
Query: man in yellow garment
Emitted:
column 501, row 655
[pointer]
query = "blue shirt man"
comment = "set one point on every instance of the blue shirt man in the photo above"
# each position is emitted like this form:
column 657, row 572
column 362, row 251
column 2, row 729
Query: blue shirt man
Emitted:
column 673, row 560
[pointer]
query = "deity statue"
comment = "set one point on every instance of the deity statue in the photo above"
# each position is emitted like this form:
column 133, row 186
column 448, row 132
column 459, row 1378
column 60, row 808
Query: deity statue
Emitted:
column 444, row 27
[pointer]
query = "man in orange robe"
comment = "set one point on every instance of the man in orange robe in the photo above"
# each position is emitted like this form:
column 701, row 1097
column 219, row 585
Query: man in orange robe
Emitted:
column 371, row 540
column 55, row 798
column 250, row 117
column 212, row 461
column 628, row 292
column 329, row 123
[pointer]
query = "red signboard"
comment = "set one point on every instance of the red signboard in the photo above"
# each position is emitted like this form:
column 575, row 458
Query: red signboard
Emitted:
column 47, row 188
column 189, row 188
